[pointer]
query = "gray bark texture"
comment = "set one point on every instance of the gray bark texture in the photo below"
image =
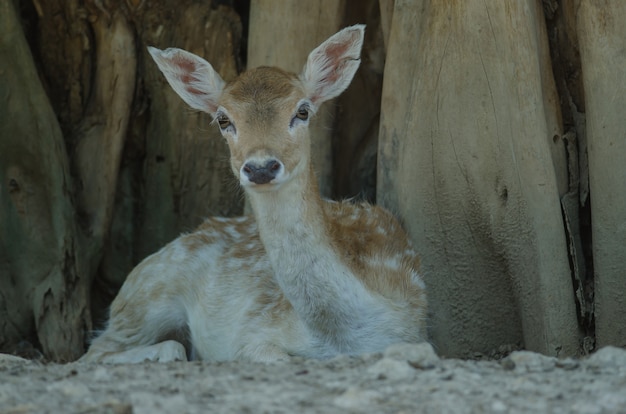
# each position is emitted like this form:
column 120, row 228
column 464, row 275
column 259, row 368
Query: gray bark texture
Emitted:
column 43, row 278
column 602, row 37
column 471, row 158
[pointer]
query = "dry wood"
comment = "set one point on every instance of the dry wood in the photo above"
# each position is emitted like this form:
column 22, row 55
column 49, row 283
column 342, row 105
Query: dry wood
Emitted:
column 601, row 33
column 468, row 158
column 43, row 283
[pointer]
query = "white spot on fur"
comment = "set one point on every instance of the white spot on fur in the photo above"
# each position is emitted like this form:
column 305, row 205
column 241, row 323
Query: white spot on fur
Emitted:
column 417, row 280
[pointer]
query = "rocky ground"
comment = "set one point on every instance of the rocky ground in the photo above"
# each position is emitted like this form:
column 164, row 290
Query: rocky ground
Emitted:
column 404, row 379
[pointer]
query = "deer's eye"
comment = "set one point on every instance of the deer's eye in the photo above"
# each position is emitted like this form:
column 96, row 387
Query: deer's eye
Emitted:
column 223, row 121
column 302, row 113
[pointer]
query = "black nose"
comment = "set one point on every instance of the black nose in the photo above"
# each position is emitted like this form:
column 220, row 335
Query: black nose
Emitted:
column 262, row 174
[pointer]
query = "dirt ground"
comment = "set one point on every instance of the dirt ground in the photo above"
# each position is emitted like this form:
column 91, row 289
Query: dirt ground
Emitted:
column 403, row 379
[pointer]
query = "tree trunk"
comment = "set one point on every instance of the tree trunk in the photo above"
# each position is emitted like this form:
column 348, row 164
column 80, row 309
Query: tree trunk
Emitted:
column 43, row 274
column 355, row 132
column 602, row 36
column 471, row 156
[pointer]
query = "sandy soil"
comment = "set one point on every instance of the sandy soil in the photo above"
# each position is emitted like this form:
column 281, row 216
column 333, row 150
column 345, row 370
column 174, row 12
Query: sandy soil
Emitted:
column 404, row 379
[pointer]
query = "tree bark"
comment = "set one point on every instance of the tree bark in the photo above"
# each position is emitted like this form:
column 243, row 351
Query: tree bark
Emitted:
column 471, row 157
column 386, row 14
column 602, row 36
column 355, row 133
column 43, row 274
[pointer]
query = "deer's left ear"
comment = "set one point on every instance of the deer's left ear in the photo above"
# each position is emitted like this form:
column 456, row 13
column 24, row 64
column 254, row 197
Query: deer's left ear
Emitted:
column 332, row 65
column 191, row 77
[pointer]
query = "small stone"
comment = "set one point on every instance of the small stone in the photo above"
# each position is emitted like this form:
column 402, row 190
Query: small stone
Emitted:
column 567, row 364
column 354, row 398
column 421, row 356
column 101, row 374
column 610, row 357
column 112, row 406
column 605, row 402
column 7, row 358
column 526, row 361
column 69, row 389
column 25, row 408
column 148, row 403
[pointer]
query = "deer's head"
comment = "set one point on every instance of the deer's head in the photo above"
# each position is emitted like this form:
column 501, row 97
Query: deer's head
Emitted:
column 264, row 114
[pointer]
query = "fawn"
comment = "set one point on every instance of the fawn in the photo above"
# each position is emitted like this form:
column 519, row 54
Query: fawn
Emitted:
column 304, row 276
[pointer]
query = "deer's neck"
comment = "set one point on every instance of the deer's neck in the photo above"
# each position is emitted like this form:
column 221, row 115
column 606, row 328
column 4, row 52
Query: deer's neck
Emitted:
column 307, row 264
column 291, row 220
column 293, row 205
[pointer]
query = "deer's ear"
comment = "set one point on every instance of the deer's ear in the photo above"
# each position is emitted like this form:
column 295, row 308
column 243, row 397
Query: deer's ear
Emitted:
column 331, row 66
column 192, row 77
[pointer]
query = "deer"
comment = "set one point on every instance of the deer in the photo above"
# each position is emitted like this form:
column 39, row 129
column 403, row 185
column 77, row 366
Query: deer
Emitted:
column 302, row 276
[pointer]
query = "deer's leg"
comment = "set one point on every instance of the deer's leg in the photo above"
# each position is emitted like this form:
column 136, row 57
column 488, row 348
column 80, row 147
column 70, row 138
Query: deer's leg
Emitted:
column 145, row 316
column 135, row 344
column 117, row 346
column 166, row 351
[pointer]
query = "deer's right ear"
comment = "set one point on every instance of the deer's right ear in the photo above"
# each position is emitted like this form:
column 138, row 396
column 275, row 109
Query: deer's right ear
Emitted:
column 192, row 77
column 332, row 65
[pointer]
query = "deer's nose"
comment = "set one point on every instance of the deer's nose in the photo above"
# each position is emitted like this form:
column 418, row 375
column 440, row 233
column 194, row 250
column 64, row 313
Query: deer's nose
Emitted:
column 262, row 174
